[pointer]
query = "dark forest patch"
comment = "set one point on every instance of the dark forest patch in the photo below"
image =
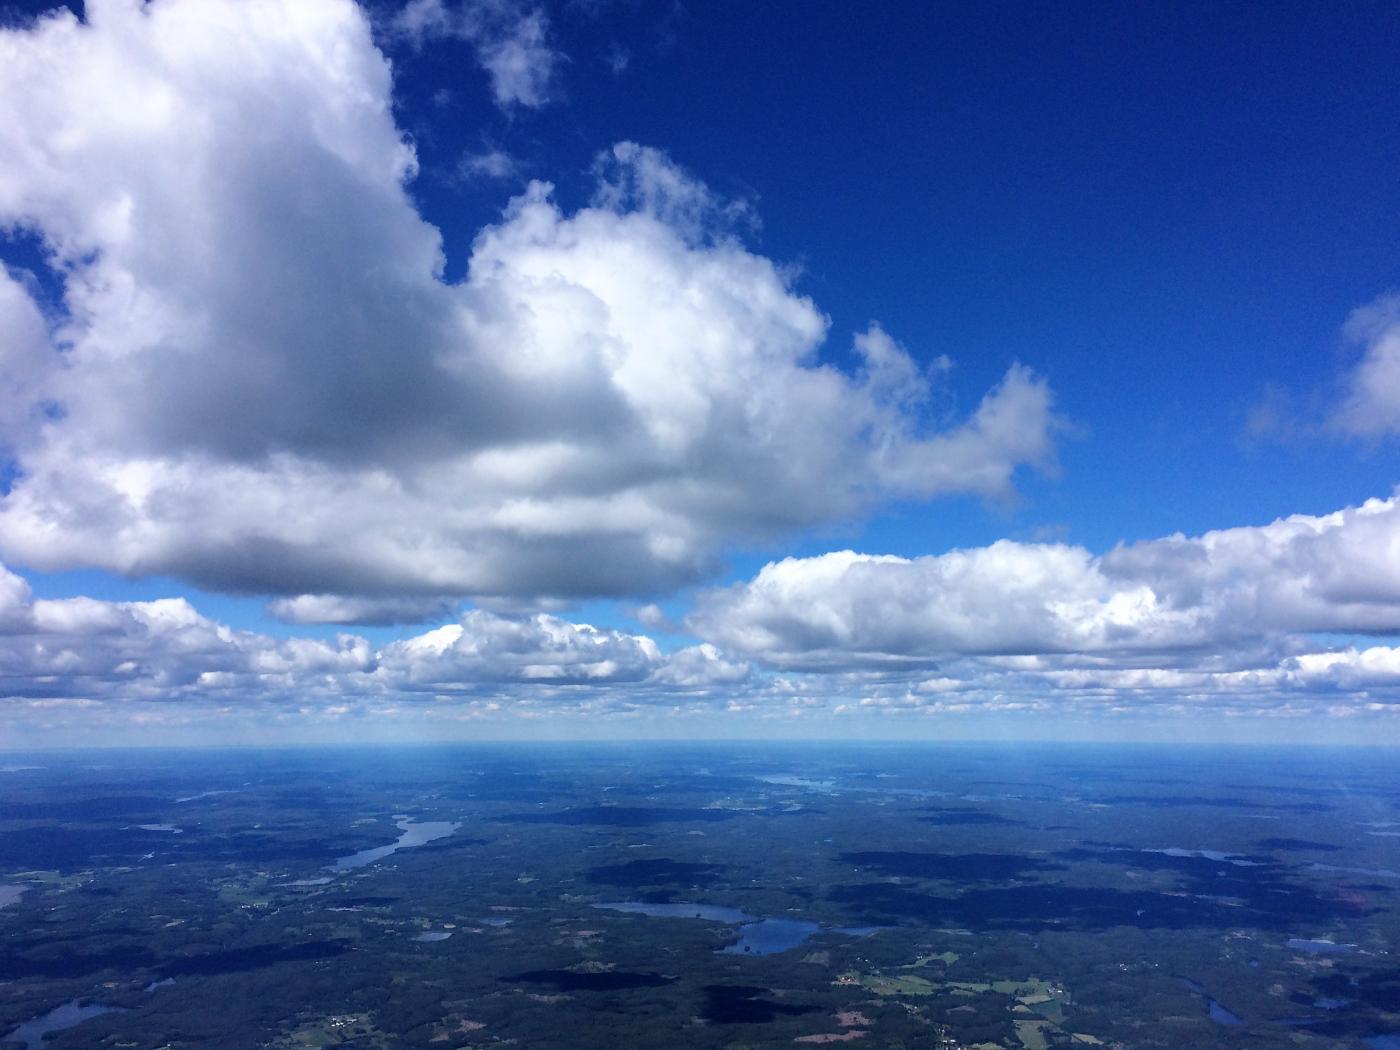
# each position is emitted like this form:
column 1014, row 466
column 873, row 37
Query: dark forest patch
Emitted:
column 952, row 816
column 1297, row 845
column 661, row 871
column 951, row 867
column 607, row 981
column 741, row 1004
column 621, row 816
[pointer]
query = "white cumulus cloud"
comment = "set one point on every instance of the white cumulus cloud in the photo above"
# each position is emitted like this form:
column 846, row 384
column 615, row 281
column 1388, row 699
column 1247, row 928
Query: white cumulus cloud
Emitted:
column 1139, row 604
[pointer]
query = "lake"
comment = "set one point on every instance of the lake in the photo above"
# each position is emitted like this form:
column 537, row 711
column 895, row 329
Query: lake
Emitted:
column 71, row 1013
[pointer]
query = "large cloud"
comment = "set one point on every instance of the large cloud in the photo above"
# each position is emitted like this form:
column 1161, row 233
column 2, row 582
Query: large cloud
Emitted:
column 262, row 382
column 1149, row 604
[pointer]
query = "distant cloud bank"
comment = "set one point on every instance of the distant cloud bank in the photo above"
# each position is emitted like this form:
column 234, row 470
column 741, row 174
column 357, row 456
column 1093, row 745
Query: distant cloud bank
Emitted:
column 1220, row 624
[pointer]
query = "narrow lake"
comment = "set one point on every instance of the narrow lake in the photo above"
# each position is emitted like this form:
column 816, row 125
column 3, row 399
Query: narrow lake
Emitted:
column 415, row 833
column 757, row 936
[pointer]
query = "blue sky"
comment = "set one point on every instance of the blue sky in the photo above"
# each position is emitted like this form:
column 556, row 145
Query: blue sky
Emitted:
column 278, row 343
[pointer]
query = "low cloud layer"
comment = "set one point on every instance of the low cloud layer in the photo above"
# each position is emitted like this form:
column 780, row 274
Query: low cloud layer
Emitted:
column 261, row 383
column 1222, row 625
